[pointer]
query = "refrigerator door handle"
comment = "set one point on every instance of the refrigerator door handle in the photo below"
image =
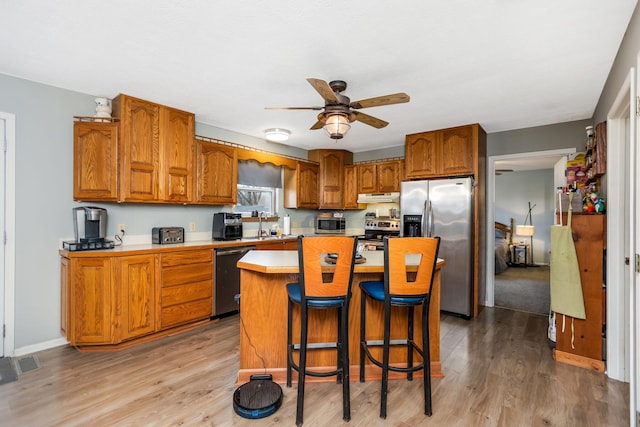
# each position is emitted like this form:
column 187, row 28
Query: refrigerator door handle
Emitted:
column 430, row 219
column 425, row 219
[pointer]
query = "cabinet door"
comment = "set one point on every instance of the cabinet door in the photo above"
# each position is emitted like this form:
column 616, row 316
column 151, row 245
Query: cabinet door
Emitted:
column 388, row 176
column 135, row 280
column 457, row 151
column 367, row 178
column 350, row 189
column 421, row 153
column 308, row 185
column 177, row 151
column 140, row 148
column 95, row 161
column 331, row 179
column 90, row 302
column 217, row 173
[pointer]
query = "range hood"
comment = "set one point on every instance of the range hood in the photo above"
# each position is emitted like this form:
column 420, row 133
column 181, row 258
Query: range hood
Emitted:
column 379, row 198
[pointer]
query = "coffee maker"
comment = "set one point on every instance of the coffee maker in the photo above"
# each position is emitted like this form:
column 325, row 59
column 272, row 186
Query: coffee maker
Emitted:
column 90, row 228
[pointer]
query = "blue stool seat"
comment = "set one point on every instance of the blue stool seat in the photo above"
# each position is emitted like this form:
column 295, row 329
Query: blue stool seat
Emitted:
column 375, row 290
column 293, row 290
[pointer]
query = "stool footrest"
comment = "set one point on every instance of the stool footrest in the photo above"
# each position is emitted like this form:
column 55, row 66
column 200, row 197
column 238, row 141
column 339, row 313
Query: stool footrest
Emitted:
column 391, row 342
column 316, row 345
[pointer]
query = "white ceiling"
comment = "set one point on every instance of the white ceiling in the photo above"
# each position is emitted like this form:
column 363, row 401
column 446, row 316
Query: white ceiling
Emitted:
column 506, row 64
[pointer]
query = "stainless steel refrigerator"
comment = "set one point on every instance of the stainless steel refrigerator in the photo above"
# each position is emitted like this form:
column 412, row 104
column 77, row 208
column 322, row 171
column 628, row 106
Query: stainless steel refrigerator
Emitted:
column 444, row 208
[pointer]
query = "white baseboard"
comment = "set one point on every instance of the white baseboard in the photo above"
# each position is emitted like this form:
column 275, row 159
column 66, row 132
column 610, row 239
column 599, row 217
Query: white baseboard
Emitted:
column 34, row 348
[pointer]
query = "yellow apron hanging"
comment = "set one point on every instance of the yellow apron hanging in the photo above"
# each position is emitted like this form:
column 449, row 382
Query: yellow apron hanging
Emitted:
column 566, row 287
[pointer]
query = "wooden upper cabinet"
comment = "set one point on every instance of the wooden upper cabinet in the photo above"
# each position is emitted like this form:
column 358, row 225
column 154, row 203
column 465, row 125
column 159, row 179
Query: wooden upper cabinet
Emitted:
column 389, row 176
column 95, row 160
column 139, row 147
column 446, row 152
column 367, row 178
column 331, row 176
column 458, row 151
column 217, row 173
column 301, row 186
column 379, row 177
column 156, row 148
column 350, row 188
column 177, row 149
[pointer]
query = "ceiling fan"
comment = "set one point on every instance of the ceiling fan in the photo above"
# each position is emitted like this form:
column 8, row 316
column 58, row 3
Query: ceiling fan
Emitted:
column 338, row 111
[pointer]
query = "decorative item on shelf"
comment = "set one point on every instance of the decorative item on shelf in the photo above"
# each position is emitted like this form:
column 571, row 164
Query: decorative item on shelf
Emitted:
column 103, row 108
column 277, row 134
column 592, row 201
column 527, row 230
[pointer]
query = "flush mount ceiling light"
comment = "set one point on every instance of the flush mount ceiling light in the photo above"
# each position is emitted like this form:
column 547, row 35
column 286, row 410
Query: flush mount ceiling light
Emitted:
column 277, row 134
column 336, row 125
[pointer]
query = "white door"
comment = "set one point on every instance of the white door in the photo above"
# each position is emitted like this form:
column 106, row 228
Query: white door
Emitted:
column 634, row 249
column 3, row 162
column 7, row 236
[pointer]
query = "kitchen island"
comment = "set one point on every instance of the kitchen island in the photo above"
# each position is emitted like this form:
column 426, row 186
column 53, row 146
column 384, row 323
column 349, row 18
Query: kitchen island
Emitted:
column 263, row 323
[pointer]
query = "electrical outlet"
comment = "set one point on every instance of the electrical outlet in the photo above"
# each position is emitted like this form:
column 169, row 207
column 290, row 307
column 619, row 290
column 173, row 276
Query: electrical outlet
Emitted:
column 192, row 226
column 121, row 228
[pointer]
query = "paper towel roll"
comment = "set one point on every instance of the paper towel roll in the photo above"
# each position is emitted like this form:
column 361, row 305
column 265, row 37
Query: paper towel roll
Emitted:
column 286, row 228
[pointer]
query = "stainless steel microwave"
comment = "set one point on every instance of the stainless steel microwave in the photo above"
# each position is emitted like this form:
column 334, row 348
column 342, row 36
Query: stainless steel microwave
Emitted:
column 329, row 224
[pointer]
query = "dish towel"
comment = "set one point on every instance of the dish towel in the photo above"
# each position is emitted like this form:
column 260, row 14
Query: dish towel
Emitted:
column 566, row 287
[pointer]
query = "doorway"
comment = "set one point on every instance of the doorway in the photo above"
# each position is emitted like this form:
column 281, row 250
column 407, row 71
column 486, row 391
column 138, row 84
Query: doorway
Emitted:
column 524, row 163
column 7, row 219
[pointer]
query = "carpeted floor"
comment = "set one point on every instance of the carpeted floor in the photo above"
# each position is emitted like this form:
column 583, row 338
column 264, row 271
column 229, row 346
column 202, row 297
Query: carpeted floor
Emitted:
column 523, row 289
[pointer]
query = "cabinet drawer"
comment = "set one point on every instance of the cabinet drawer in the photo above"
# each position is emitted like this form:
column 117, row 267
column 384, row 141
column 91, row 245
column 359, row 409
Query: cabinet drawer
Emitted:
column 186, row 257
column 187, row 312
column 184, row 274
column 184, row 293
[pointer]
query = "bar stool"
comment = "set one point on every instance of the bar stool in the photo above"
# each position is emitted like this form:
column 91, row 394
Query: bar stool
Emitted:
column 402, row 286
column 312, row 291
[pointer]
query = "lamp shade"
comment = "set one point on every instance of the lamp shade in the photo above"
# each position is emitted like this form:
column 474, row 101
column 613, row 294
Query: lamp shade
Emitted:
column 277, row 134
column 525, row 230
column 337, row 125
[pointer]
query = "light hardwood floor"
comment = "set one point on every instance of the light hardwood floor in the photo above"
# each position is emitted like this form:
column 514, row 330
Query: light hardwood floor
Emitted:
column 498, row 372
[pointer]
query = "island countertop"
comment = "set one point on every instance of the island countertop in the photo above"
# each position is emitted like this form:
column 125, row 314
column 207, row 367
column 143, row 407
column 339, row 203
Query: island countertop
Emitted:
column 263, row 311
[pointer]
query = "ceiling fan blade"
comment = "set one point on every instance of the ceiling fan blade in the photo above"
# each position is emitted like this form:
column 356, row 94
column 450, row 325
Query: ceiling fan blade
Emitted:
column 317, row 125
column 395, row 98
column 323, row 89
column 293, row 108
column 369, row 120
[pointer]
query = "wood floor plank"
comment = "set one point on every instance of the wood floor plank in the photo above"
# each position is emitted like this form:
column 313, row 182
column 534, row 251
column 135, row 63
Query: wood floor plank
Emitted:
column 498, row 369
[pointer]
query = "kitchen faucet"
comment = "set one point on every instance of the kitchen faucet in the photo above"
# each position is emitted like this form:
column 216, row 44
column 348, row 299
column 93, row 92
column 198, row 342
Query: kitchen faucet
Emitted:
column 260, row 216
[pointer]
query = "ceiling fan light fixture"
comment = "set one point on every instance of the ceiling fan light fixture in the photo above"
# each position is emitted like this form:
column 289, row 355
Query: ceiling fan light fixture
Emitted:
column 336, row 125
column 277, row 134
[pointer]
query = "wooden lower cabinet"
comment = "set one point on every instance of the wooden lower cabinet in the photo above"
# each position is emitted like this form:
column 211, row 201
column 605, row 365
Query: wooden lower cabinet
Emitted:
column 585, row 346
column 135, row 286
column 88, row 301
column 186, row 287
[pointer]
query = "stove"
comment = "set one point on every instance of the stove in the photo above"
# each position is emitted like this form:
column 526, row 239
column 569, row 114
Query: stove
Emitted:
column 375, row 229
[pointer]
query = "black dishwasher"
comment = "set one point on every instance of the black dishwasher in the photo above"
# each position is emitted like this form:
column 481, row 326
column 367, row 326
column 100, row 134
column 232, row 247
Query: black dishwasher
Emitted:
column 227, row 279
